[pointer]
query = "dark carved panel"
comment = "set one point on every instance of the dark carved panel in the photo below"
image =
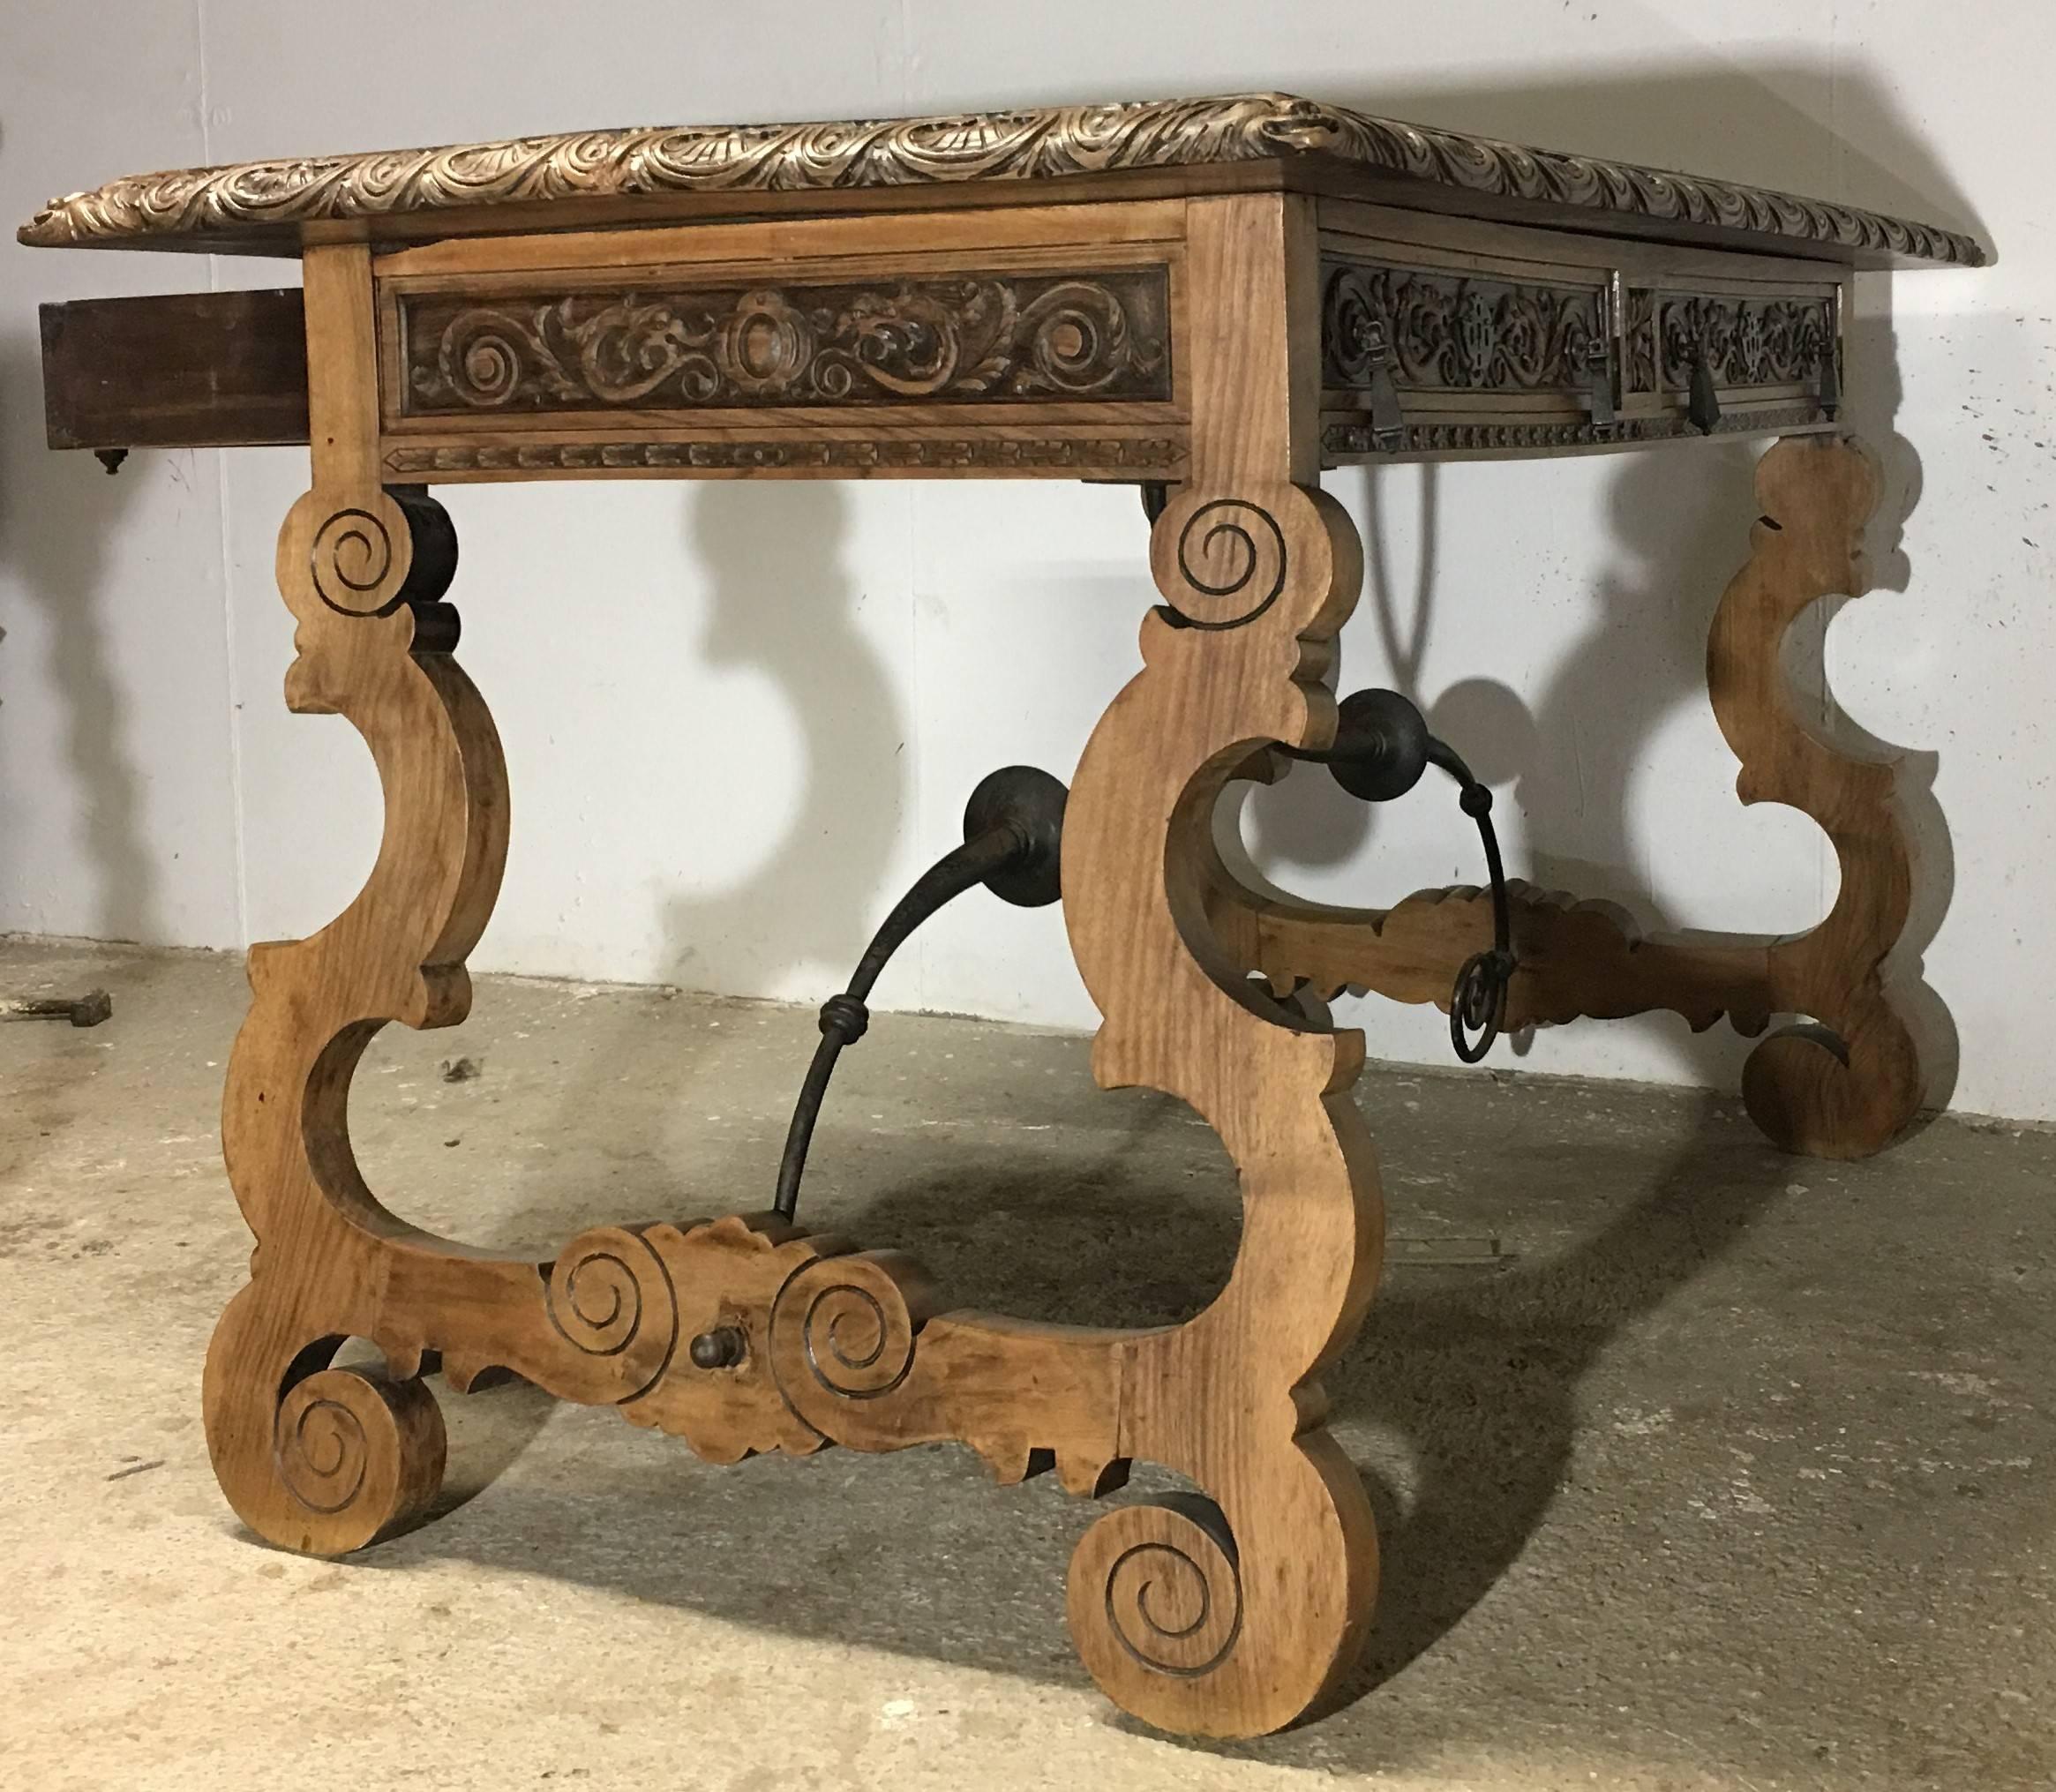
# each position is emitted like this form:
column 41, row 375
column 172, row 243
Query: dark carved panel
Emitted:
column 972, row 337
column 1445, row 331
column 1770, row 342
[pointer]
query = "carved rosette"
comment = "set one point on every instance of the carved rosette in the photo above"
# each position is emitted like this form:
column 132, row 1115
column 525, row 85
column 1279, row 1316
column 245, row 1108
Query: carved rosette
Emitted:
column 980, row 337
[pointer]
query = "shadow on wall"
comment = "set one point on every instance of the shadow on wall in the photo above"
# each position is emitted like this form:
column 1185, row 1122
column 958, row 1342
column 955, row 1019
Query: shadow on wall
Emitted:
column 1827, row 128
column 782, row 603
column 55, row 526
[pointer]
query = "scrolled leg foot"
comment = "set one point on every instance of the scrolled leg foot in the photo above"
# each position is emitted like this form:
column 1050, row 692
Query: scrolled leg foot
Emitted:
column 1155, row 1590
column 1207, row 1626
column 315, row 1458
column 362, row 1455
column 1815, row 1094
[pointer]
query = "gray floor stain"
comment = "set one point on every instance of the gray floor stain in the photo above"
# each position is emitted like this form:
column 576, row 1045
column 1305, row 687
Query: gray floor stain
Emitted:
column 1719, row 1469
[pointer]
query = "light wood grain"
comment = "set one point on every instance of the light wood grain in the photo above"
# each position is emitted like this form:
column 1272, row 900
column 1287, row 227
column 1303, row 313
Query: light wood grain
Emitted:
column 805, row 1340
column 1847, row 1078
column 1843, row 1079
column 1257, row 570
column 346, row 556
column 1228, row 1612
column 1577, row 959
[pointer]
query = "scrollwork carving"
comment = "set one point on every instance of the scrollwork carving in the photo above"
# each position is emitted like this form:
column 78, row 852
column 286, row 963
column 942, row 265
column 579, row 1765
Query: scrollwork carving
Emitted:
column 351, row 562
column 270, row 200
column 1447, row 332
column 398, row 547
column 611, row 1298
column 357, row 1456
column 1745, row 341
column 1232, row 560
column 978, row 336
column 847, row 1325
column 1161, row 1583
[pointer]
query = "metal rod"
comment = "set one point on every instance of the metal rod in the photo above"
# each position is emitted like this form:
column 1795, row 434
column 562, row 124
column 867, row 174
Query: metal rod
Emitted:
column 1478, row 1000
column 845, row 1019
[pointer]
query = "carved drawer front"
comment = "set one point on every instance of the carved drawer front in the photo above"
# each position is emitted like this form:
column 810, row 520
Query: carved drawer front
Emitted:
column 1754, row 345
column 1426, row 352
column 691, row 342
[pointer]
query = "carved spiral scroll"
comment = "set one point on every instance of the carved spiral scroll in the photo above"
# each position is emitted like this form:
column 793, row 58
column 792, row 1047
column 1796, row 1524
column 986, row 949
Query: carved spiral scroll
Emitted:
column 1079, row 342
column 351, row 560
column 480, row 359
column 398, row 547
column 1158, row 1585
column 611, row 1300
column 359, row 1456
column 845, row 1328
column 1232, row 562
column 969, row 336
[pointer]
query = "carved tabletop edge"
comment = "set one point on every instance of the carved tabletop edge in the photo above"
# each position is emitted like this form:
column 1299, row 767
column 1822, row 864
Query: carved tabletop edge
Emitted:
column 262, row 207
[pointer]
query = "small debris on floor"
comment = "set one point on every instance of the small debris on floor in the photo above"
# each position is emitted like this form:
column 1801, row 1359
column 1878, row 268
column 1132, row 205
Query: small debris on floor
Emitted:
column 136, row 1468
column 87, row 1011
column 461, row 1069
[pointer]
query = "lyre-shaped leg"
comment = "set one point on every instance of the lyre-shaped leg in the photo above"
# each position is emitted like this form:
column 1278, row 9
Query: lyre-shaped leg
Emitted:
column 1842, row 1085
column 311, row 1457
column 1229, row 1622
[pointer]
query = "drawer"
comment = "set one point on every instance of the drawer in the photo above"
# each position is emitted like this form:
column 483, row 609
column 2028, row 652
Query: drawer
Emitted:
column 1442, row 335
column 1749, row 340
column 1439, row 334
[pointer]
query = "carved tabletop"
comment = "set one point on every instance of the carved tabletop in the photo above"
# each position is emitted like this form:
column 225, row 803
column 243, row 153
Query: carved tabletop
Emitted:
column 623, row 175
column 1477, row 298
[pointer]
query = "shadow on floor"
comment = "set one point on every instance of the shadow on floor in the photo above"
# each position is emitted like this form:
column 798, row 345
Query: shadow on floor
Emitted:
column 1460, row 1401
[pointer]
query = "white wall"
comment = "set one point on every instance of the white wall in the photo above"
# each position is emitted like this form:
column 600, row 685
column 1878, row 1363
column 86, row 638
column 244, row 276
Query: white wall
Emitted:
column 740, row 718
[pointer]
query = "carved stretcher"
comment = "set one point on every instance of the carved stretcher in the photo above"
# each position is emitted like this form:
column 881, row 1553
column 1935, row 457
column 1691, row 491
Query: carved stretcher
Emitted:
column 1219, row 297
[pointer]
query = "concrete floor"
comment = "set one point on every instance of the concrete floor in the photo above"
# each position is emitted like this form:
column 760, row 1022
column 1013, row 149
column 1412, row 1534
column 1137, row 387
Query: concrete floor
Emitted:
column 1736, row 1475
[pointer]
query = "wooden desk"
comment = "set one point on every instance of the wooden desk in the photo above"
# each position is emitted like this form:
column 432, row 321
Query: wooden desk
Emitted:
column 1216, row 298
